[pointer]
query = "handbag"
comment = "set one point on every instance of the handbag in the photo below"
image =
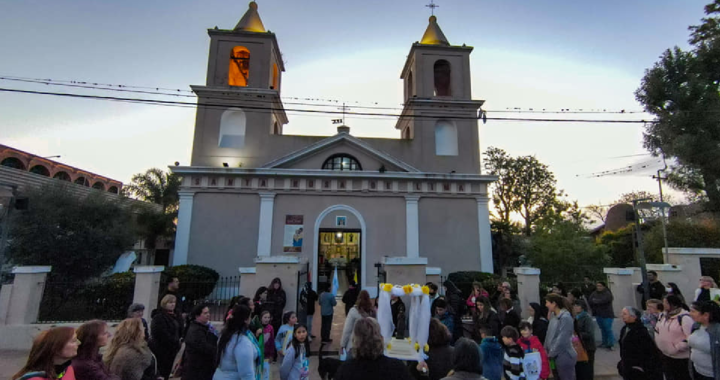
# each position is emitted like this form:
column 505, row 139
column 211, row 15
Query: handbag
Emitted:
column 582, row 355
column 532, row 365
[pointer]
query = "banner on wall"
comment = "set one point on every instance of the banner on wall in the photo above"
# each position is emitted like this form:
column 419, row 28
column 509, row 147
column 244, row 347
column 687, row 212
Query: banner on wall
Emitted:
column 293, row 239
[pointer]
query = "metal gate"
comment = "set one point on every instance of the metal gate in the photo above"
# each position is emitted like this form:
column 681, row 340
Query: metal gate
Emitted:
column 381, row 275
column 302, row 279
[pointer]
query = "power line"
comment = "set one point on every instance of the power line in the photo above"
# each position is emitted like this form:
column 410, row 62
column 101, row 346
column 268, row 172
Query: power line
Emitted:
column 225, row 106
column 333, row 102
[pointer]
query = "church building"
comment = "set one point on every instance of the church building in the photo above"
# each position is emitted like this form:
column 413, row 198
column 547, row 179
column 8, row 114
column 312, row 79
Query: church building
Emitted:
column 265, row 203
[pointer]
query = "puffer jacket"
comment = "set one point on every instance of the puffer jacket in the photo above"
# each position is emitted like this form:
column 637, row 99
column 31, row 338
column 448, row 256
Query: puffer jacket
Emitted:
column 671, row 334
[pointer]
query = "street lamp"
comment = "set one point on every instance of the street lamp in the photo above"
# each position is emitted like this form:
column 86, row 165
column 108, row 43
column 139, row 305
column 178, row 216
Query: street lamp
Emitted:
column 647, row 209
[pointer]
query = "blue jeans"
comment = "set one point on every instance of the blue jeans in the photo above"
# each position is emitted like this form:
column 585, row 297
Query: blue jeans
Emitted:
column 605, row 324
column 309, row 324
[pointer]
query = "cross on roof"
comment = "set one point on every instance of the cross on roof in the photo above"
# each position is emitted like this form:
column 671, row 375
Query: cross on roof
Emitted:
column 432, row 7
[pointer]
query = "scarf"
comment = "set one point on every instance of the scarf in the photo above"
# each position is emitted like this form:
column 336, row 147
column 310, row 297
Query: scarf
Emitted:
column 581, row 315
column 260, row 362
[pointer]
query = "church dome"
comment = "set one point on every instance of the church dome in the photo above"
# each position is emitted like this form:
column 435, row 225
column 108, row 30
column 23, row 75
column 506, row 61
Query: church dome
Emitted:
column 250, row 21
column 433, row 34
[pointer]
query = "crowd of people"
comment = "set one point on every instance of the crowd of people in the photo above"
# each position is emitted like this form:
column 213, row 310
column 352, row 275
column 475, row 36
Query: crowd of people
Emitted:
column 481, row 336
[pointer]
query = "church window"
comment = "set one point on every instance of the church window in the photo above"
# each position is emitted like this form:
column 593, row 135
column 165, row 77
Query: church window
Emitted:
column 275, row 78
column 446, row 138
column 63, row 176
column 441, row 72
column 39, row 169
column 12, row 162
column 232, row 129
column 341, row 162
column 239, row 66
column 410, row 90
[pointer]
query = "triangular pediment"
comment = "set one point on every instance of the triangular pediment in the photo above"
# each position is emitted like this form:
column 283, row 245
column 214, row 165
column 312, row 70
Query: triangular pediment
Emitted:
column 313, row 156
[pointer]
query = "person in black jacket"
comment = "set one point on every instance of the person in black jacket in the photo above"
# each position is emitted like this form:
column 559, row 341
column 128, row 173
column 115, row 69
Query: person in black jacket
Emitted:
column 308, row 300
column 456, row 301
column 539, row 314
column 512, row 318
column 601, row 303
column 350, row 297
column 368, row 361
column 486, row 318
column 275, row 302
column 657, row 289
column 165, row 331
column 639, row 357
column 397, row 307
column 200, row 346
column 440, row 354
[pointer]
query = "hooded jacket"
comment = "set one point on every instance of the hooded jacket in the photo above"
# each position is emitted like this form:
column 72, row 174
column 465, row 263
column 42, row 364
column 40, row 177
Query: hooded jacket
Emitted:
column 492, row 358
column 672, row 332
column 559, row 335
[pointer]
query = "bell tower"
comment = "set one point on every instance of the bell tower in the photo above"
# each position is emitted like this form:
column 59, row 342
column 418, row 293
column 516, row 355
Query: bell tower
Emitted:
column 241, row 96
column 439, row 115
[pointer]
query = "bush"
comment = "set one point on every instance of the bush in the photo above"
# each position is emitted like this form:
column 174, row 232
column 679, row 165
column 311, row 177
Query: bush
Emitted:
column 196, row 281
column 680, row 233
column 464, row 281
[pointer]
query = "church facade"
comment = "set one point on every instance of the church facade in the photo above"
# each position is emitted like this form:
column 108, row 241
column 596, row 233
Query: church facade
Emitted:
column 254, row 196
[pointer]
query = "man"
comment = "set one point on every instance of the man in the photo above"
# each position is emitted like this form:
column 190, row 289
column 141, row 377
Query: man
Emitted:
column 433, row 291
column 657, row 289
column 327, row 305
column 588, row 287
column 172, row 289
column 308, row 297
column 350, row 297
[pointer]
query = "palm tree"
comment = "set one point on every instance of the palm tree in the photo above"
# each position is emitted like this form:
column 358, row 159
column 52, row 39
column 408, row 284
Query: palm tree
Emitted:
column 155, row 186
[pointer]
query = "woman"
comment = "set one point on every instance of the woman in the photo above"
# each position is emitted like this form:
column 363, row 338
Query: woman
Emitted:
column 128, row 355
column 673, row 289
column 363, row 308
column 585, row 329
column 638, row 355
column 88, row 363
column 50, row 356
column 454, row 298
column 486, row 317
column 239, row 357
column 705, row 341
column 440, row 355
column 466, row 362
column 137, row 310
column 671, row 334
column 703, row 292
column 601, row 304
column 558, row 342
column 259, row 300
column 165, row 330
column 368, row 361
column 200, row 346
column 539, row 321
column 275, row 302
column 477, row 292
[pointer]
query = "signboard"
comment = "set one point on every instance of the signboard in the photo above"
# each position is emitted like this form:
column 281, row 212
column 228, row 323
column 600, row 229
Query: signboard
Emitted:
column 293, row 238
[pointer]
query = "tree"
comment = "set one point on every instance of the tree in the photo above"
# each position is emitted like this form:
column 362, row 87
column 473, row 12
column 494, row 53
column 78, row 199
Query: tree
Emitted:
column 681, row 90
column 80, row 237
column 499, row 163
column 161, row 188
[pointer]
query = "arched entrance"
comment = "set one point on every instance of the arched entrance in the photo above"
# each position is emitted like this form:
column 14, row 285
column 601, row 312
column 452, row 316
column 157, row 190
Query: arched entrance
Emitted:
column 362, row 229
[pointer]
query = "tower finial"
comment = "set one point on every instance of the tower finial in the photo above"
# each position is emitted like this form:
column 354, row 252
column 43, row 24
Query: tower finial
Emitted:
column 432, row 7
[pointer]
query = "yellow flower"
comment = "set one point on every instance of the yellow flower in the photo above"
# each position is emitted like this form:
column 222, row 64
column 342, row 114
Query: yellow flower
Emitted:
column 408, row 340
column 426, row 290
column 417, row 346
column 426, row 348
column 389, row 346
column 387, row 287
column 407, row 289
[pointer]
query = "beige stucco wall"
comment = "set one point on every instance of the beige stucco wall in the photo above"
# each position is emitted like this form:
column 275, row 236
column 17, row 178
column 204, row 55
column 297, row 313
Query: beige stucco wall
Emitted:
column 449, row 229
column 224, row 231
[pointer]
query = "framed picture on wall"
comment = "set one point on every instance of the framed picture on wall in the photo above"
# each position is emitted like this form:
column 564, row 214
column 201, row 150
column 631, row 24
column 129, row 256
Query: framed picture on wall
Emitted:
column 341, row 221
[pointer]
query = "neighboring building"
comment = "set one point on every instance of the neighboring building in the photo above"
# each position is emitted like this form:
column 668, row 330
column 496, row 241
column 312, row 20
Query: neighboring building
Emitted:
column 256, row 195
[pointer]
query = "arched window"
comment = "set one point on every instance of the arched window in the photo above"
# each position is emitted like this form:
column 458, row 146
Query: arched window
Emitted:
column 410, row 90
column 39, row 169
column 98, row 186
column 441, row 72
column 275, row 78
column 113, row 189
column 232, row 129
column 12, row 162
column 341, row 162
column 63, row 176
column 82, row 181
column 239, row 67
column 446, row 139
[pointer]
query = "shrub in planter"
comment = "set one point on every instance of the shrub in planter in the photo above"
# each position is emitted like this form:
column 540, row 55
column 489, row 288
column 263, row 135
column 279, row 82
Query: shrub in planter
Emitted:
column 464, row 281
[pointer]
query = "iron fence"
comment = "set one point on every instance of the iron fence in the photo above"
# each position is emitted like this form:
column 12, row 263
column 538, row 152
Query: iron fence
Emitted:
column 106, row 298
column 218, row 296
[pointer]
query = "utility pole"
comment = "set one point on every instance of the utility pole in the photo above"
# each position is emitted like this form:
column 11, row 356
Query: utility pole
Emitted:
column 640, row 251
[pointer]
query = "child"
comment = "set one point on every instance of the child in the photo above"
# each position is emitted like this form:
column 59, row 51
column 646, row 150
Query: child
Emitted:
column 442, row 313
column 269, row 338
column 285, row 333
column 514, row 355
column 530, row 343
column 651, row 315
column 492, row 355
column 295, row 365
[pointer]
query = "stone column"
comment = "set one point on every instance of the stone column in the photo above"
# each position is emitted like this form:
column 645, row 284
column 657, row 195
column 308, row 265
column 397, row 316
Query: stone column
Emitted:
column 26, row 295
column 412, row 226
column 405, row 270
column 267, row 204
column 182, row 234
column 434, row 275
column 620, row 283
column 528, row 288
column 147, row 286
column 249, row 281
column 486, row 257
column 284, row 267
